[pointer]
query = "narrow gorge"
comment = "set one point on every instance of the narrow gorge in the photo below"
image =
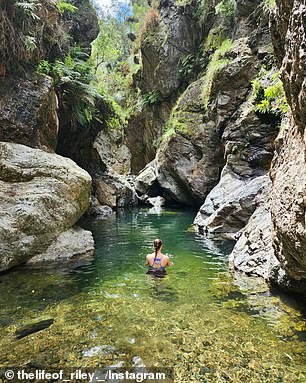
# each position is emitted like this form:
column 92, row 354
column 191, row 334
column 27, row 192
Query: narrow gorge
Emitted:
column 124, row 121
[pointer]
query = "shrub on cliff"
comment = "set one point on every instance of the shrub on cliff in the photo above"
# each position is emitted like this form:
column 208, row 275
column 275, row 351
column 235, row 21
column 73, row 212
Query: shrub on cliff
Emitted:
column 72, row 80
column 30, row 31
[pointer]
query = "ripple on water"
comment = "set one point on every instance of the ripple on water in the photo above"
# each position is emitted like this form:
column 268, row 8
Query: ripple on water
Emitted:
column 211, row 326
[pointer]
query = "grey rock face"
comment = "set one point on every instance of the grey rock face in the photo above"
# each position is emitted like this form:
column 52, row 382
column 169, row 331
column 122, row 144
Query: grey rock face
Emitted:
column 114, row 154
column 28, row 112
column 253, row 252
column 42, row 195
column 189, row 163
column 146, row 181
column 115, row 191
column 288, row 205
column 248, row 145
column 231, row 203
column 165, row 44
column 112, row 187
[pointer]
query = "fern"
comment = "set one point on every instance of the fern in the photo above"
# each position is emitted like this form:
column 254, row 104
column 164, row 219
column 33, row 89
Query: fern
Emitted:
column 72, row 79
column 65, row 6
column 268, row 93
column 28, row 9
column 225, row 8
column 151, row 98
column 30, row 43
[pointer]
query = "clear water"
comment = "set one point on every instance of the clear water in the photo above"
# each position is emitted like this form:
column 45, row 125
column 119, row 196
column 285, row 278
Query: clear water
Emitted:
column 211, row 326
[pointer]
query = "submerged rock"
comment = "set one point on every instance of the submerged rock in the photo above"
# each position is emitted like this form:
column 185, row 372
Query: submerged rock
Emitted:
column 138, row 362
column 96, row 350
column 33, row 326
column 42, row 195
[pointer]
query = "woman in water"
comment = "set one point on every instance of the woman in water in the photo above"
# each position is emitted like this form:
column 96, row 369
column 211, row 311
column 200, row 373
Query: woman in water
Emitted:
column 157, row 261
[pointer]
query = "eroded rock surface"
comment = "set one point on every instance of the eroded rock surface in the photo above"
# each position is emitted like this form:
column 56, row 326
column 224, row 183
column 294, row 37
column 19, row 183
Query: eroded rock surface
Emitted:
column 273, row 244
column 189, row 163
column 28, row 112
column 231, row 203
column 288, row 205
column 42, row 195
column 171, row 38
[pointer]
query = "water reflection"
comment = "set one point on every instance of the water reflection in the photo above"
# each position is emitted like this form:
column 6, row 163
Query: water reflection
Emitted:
column 112, row 312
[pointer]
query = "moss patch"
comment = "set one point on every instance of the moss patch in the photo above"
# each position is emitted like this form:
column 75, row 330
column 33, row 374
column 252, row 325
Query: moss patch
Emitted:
column 217, row 62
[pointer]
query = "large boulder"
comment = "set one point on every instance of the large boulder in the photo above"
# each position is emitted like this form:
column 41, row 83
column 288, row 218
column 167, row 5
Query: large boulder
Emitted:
column 42, row 195
column 70, row 246
column 273, row 244
column 112, row 187
column 231, row 203
column 146, row 181
column 28, row 112
column 288, row 205
column 114, row 154
column 253, row 253
column 114, row 190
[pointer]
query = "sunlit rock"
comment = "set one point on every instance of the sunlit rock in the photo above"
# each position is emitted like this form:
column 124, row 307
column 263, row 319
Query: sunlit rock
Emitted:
column 42, row 195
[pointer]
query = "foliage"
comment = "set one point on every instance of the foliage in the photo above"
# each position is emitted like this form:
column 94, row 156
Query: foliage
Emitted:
column 113, row 44
column 267, row 5
column 30, row 43
column 217, row 62
column 149, row 24
column 225, row 8
column 183, row 3
column 115, row 63
column 268, row 93
column 30, row 30
column 28, row 8
column 107, row 47
column 151, row 98
column 64, row 6
column 186, row 65
column 18, row 24
column 214, row 39
column 72, row 79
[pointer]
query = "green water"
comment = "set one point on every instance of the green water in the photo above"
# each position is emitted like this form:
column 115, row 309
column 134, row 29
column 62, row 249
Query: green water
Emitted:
column 211, row 326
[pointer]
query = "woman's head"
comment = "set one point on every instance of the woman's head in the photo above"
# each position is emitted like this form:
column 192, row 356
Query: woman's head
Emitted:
column 157, row 244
